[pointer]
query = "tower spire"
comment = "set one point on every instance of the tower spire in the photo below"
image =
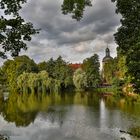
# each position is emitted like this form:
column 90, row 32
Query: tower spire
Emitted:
column 107, row 51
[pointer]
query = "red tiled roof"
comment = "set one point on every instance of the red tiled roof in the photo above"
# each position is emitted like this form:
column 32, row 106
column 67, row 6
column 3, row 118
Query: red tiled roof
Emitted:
column 75, row 66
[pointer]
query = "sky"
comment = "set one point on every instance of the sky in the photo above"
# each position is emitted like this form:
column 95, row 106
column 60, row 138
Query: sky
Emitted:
column 62, row 35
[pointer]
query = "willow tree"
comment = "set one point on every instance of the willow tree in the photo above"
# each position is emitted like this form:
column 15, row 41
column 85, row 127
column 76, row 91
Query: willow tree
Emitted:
column 33, row 82
column 80, row 79
column 14, row 68
column 22, row 82
column 45, row 81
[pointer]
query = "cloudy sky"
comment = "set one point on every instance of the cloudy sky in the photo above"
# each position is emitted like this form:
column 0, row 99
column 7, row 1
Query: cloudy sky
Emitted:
column 62, row 35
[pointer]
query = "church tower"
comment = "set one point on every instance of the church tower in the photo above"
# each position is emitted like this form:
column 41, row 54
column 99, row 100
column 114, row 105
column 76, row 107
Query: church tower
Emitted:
column 107, row 55
column 105, row 60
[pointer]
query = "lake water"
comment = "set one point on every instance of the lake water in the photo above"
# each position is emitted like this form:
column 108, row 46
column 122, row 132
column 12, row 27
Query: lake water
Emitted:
column 71, row 116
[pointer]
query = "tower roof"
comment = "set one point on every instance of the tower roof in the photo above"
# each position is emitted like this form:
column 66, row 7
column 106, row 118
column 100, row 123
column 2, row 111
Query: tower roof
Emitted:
column 107, row 57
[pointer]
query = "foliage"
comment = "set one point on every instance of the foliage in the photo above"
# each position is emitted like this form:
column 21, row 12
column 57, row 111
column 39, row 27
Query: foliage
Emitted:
column 60, row 70
column 91, row 67
column 50, row 67
column 37, row 82
column 121, row 66
column 80, row 79
column 22, row 75
column 14, row 31
column 43, row 66
column 13, row 68
column 109, row 70
column 63, row 73
column 75, row 7
column 128, row 37
column 116, row 82
column 2, row 77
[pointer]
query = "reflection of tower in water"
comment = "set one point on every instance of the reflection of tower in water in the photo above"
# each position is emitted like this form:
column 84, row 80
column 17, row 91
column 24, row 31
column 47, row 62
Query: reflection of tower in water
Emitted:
column 103, row 115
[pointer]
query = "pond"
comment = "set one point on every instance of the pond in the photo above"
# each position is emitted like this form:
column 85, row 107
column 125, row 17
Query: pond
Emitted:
column 71, row 116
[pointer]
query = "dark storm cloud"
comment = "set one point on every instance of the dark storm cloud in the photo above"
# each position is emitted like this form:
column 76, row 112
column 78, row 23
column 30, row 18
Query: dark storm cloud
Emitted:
column 61, row 35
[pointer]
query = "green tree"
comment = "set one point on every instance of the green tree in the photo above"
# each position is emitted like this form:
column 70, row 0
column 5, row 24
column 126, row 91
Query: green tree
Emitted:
column 80, row 79
column 22, row 82
column 63, row 73
column 75, row 7
column 14, row 68
column 121, row 66
column 128, row 37
column 2, row 77
column 42, row 66
column 50, row 67
column 14, row 31
column 91, row 66
column 45, row 81
column 110, row 70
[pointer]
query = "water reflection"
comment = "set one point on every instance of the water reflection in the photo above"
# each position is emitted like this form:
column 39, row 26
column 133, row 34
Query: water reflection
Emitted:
column 103, row 115
column 73, row 116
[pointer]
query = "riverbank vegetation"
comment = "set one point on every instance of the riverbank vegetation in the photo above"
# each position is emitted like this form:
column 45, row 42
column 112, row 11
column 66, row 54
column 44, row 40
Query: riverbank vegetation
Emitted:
column 23, row 75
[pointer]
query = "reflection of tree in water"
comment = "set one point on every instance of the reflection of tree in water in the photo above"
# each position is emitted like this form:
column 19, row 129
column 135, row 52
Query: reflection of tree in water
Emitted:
column 87, row 99
column 75, row 7
column 125, row 104
column 12, row 112
column 22, row 109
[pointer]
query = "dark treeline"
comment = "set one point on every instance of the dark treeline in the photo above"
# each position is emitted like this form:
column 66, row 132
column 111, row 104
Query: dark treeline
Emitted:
column 25, row 76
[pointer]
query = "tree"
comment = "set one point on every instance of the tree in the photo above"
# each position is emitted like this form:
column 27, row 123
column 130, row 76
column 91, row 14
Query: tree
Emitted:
column 63, row 73
column 50, row 67
column 42, row 66
column 80, row 79
column 75, row 7
column 14, row 68
column 121, row 67
column 128, row 37
column 91, row 67
column 110, row 70
column 2, row 77
column 37, row 83
column 45, row 81
column 13, row 29
column 23, row 82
